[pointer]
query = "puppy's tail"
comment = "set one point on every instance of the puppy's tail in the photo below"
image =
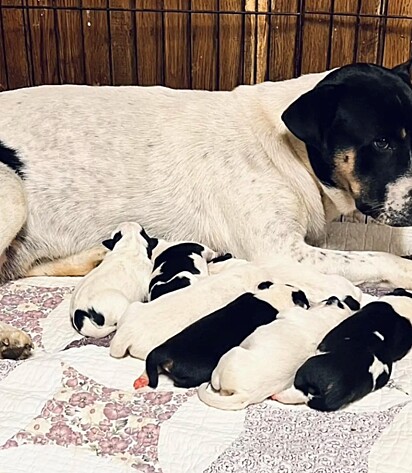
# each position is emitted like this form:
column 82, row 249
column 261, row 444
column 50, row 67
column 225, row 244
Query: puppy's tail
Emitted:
column 229, row 401
column 155, row 360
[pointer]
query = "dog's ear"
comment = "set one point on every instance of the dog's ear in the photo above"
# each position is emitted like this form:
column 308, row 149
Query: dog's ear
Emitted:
column 404, row 71
column 111, row 242
column 309, row 116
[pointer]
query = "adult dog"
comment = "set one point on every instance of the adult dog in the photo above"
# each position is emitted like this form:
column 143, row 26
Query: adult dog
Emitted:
column 255, row 171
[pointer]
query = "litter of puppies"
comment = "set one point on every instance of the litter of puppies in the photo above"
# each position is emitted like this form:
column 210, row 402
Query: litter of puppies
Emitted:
column 241, row 331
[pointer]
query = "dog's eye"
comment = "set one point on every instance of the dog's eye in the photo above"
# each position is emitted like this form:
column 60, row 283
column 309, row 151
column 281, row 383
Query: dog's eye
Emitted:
column 381, row 144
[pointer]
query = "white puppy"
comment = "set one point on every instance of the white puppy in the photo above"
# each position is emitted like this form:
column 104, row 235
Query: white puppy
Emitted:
column 123, row 277
column 146, row 326
column 266, row 362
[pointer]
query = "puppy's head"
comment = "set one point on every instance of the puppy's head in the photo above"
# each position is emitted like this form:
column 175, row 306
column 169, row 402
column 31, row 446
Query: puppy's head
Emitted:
column 282, row 296
column 130, row 234
column 347, row 303
column 357, row 125
column 401, row 301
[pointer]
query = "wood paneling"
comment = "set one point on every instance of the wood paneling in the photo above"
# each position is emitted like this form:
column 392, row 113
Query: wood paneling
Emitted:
column 201, row 44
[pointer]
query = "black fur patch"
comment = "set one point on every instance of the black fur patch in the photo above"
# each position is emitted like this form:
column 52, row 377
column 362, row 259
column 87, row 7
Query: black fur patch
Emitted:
column 333, row 300
column 400, row 292
column 80, row 315
column 299, row 298
column 9, row 157
column 110, row 243
column 221, row 258
column 265, row 285
column 175, row 260
column 151, row 242
column 170, row 286
column 352, row 303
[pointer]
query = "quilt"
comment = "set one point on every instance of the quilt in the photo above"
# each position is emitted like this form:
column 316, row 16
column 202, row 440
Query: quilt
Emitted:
column 72, row 408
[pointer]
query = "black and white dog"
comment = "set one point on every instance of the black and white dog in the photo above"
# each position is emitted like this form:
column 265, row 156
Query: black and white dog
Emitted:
column 356, row 357
column 190, row 356
column 178, row 265
column 256, row 171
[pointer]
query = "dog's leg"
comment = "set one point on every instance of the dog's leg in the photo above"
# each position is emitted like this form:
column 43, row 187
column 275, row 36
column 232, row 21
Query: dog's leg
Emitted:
column 13, row 209
column 76, row 265
column 357, row 266
column 14, row 344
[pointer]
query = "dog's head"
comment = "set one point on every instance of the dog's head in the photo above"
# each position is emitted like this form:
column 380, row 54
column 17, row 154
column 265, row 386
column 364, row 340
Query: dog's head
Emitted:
column 357, row 126
column 129, row 234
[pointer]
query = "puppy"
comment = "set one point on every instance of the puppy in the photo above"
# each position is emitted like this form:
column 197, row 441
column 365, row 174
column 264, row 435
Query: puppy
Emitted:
column 266, row 361
column 123, row 277
column 356, row 357
column 190, row 356
column 146, row 326
column 14, row 344
column 178, row 265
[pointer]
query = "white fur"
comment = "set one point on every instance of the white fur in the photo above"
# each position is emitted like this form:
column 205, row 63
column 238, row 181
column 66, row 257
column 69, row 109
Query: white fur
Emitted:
column 220, row 168
column 266, row 362
column 145, row 326
column 122, row 277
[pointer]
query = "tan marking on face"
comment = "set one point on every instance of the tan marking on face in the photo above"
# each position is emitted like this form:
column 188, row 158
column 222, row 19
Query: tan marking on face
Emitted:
column 344, row 173
column 403, row 133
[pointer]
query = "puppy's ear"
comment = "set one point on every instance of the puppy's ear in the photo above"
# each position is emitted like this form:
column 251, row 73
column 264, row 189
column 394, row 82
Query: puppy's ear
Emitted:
column 352, row 303
column 404, row 71
column 111, row 242
column 400, row 291
column 309, row 116
column 299, row 298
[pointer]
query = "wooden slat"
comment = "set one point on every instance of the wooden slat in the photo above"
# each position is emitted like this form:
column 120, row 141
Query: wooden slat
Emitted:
column 204, row 45
column 177, row 45
column 368, row 33
column 315, row 37
column 398, row 34
column 149, row 32
column 15, row 46
column 256, row 35
column 251, row 39
column 43, row 40
column 70, row 47
column 96, row 43
column 123, row 39
column 230, row 45
column 282, row 40
column 3, row 70
column 343, row 34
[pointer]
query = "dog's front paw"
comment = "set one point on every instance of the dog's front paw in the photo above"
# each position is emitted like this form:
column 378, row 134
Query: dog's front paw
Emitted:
column 15, row 344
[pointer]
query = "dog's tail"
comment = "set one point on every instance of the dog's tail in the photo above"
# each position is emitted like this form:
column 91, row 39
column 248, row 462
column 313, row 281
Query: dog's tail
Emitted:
column 155, row 360
column 230, row 401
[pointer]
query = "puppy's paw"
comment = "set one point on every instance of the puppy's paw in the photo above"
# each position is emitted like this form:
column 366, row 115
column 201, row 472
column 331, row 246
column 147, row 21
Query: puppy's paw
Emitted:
column 141, row 382
column 15, row 344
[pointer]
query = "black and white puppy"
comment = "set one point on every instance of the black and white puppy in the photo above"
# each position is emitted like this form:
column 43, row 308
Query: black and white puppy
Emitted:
column 178, row 265
column 190, row 357
column 356, row 357
column 102, row 296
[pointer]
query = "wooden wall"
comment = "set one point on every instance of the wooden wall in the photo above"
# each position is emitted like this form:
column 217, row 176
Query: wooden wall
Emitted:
column 211, row 44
